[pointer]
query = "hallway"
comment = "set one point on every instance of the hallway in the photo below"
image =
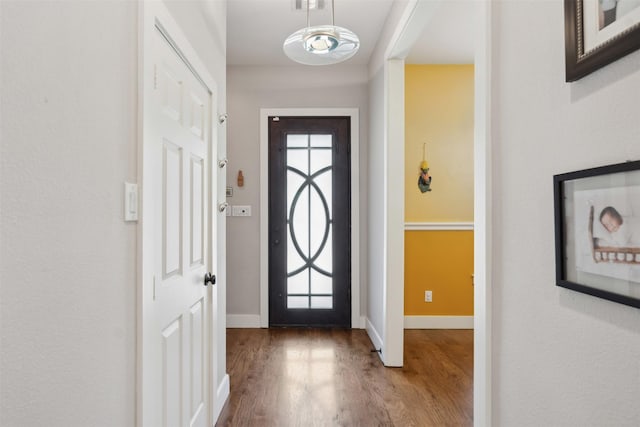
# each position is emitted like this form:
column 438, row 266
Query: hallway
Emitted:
column 307, row 377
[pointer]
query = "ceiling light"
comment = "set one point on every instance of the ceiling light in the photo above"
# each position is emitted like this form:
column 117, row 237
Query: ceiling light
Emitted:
column 313, row 4
column 321, row 44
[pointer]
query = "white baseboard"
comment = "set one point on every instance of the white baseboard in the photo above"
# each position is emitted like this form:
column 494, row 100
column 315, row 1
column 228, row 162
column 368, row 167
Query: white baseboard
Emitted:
column 374, row 336
column 222, row 394
column 438, row 322
column 243, row 321
column 253, row 321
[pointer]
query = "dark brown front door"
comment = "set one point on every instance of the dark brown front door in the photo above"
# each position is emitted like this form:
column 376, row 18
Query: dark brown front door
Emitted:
column 309, row 221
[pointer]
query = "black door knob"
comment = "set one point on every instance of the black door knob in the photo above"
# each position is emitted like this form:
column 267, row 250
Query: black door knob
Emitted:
column 209, row 278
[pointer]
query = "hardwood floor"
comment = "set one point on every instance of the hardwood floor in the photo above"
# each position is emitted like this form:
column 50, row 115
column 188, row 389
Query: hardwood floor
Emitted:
column 311, row 377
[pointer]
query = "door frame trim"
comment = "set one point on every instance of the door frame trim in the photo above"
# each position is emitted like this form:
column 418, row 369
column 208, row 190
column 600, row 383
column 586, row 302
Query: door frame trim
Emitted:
column 353, row 114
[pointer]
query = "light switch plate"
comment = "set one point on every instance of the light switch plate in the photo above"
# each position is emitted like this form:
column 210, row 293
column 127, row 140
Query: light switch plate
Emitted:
column 241, row 210
column 130, row 201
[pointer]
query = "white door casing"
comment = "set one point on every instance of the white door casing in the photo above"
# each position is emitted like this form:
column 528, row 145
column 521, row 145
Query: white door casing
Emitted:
column 175, row 321
column 353, row 113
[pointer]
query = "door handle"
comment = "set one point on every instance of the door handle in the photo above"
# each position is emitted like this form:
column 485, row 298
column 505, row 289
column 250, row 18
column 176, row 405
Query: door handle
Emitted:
column 209, row 278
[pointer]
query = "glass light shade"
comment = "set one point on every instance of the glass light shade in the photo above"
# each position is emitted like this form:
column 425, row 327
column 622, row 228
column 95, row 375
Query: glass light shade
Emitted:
column 321, row 45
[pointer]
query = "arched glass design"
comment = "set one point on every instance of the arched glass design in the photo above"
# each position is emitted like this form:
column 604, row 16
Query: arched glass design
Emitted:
column 309, row 221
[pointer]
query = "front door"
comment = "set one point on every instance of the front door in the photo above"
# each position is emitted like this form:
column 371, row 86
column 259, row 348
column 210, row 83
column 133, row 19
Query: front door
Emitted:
column 309, row 221
column 176, row 305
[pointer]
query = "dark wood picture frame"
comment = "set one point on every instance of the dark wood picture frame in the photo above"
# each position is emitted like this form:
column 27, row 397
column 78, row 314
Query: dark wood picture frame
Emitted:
column 579, row 62
column 601, row 182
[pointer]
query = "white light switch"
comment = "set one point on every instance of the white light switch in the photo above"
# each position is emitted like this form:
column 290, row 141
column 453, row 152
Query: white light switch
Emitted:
column 130, row 201
column 241, row 211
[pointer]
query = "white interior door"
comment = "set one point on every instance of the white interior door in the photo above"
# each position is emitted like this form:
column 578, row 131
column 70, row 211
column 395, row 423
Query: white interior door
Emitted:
column 176, row 317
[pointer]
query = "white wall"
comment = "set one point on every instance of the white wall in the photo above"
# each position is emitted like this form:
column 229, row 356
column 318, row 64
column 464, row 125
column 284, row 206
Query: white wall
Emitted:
column 560, row 358
column 386, row 210
column 68, row 136
column 252, row 88
column 67, row 258
column 376, row 209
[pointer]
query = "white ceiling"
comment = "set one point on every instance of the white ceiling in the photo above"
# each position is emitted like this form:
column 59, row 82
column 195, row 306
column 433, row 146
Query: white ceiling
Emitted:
column 449, row 36
column 256, row 30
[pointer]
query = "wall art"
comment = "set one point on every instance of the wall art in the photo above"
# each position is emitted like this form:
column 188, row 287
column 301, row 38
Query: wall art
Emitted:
column 598, row 32
column 597, row 231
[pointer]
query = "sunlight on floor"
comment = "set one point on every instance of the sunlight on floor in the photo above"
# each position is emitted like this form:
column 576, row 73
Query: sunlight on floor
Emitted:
column 310, row 378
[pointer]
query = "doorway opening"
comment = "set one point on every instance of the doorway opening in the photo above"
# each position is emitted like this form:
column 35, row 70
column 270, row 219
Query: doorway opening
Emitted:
column 412, row 24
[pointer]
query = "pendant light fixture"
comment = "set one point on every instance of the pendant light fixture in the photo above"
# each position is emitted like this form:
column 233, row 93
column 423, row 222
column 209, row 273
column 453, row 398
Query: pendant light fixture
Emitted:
column 321, row 44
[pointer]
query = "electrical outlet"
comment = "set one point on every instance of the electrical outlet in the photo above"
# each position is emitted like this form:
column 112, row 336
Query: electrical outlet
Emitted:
column 428, row 296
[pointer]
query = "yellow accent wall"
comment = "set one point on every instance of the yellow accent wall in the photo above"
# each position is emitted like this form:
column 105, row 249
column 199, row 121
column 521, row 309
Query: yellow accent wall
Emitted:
column 439, row 111
column 442, row 262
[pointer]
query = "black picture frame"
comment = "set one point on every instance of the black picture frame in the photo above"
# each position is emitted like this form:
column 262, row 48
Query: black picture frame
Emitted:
column 582, row 60
column 587, row 258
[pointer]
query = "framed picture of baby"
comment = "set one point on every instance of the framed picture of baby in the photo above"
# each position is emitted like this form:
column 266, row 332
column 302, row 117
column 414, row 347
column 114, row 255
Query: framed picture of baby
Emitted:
column 598, row 32
column 597, row 231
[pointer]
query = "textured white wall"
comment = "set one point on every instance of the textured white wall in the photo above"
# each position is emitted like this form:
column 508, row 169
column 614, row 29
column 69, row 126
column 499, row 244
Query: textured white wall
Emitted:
column 376, row 208
column 386, row 202
column 560, row 358
column 67, row 258
column 252, row 88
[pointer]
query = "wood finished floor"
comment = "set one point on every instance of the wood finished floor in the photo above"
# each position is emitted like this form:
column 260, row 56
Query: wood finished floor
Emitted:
column 311, row 377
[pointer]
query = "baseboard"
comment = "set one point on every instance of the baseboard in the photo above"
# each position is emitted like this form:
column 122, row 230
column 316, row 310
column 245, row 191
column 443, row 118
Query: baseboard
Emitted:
column 243, row 321
column 250, row 321
column 374, row 336
column 222, row 394
column 438, row 322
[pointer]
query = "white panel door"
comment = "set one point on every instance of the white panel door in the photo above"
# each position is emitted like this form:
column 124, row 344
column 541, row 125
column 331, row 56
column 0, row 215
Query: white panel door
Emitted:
column 177, row 115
